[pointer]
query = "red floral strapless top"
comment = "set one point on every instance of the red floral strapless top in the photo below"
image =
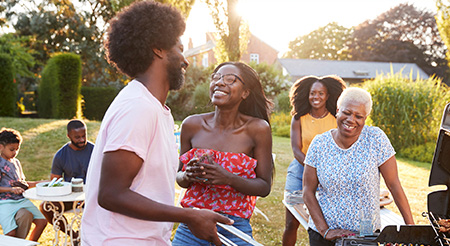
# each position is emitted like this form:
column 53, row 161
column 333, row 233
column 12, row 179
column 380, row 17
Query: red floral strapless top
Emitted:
column 221, row 198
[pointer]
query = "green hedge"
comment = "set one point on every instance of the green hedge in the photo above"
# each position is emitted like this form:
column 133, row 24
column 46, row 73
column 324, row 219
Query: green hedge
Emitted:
column 8, row 88
column 59, row 90
column 281, row 124
column 408, row 111
column 96, row 101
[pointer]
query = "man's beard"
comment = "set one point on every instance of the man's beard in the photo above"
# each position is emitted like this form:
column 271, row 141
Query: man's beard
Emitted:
column 175, row 73
column 79, row 145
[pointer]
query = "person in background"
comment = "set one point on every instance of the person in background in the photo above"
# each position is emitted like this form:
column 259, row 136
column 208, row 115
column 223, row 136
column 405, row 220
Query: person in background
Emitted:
column 226, row 155
column 345, row 163
column 130, row 185
column 70, row 161
column 12, row 186
column 313, row 101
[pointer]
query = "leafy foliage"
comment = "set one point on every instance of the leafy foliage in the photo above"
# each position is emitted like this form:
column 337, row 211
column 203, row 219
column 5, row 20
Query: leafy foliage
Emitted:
column 408, row 111
column 73, row 26
column 272, row 79
column 233, row 38
column 443, row 24
column 201, row 102
column 402, row 34
column 281, row 124
column 422, row 152
column 96, row 101
column 282, row 103
column 59, row 91
column 16, row 48
column 8, row 88
column 181, row 101
column 325, row 43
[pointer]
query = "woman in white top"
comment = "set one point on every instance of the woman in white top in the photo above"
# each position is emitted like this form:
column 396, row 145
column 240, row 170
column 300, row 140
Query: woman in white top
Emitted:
column 345, row 164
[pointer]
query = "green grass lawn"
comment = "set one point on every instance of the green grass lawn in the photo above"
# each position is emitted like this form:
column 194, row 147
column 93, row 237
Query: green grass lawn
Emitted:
column 43, row 137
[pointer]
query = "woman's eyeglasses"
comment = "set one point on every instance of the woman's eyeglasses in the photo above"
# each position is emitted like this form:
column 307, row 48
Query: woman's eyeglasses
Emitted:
column 228, row 79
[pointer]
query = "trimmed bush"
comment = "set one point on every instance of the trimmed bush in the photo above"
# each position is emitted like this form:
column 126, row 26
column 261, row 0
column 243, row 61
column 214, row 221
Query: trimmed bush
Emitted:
column 281, row 124
column 96, row 101
column 8, row 89
column 59, row 90
column 408, row 111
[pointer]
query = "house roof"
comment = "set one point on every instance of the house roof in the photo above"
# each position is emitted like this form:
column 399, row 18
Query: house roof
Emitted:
column 348, row 69
column 210, row 44
column 200, row 49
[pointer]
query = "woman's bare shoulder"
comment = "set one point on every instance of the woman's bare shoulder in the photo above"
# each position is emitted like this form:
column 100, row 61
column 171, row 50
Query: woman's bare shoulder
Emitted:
column 258, row 124
column 196, row 119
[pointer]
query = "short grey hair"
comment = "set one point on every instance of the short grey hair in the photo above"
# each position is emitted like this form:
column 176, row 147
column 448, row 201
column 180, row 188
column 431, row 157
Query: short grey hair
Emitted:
column 358, row 95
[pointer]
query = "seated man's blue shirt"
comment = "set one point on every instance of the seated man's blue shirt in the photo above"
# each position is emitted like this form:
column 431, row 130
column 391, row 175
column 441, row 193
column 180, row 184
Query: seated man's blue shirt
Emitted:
column 72, row 163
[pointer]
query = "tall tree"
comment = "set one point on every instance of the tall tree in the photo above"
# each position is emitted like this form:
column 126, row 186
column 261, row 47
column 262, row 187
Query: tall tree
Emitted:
column 233, row 38
column 76, row 26
column 402, row 34
column 443, row 23
column 325, row 43
column 21, row 54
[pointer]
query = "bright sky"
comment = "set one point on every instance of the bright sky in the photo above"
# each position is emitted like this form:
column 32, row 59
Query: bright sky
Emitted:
column 277, row 22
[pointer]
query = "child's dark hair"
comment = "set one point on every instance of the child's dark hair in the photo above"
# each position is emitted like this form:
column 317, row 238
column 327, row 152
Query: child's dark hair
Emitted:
column 10, row 136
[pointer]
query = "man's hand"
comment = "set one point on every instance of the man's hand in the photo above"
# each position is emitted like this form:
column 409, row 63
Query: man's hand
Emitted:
column 203, row 225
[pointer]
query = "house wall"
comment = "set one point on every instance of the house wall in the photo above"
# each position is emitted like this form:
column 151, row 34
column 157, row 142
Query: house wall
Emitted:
column 266, row 53
column 197, row 60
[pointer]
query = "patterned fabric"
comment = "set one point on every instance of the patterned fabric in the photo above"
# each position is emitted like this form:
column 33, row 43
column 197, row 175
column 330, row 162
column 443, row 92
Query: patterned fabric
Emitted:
column 349, row 179
column 10, row 172
column 222, row 198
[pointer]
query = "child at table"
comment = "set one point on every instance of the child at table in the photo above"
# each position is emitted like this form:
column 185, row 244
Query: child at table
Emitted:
column 13, row 184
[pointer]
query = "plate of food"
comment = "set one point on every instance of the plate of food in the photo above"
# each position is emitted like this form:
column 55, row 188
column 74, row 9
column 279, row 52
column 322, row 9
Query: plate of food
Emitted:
column 53, row 188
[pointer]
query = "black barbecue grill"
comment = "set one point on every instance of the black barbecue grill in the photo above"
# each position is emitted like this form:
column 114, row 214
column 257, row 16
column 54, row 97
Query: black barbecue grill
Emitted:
column 438, row 203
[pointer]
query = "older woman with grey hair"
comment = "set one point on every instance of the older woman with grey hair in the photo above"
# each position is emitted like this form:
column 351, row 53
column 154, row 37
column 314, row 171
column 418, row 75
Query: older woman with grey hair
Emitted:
column 345, row 165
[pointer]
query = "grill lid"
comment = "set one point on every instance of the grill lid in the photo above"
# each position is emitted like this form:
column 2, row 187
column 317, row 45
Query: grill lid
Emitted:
column 439, row 201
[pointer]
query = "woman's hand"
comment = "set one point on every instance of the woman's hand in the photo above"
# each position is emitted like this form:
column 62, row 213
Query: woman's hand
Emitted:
column 193, row 172
column 338, row 233
column 213, row 173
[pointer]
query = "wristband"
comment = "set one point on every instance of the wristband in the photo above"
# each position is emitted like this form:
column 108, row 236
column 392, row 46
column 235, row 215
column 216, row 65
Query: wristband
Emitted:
column 326, row 232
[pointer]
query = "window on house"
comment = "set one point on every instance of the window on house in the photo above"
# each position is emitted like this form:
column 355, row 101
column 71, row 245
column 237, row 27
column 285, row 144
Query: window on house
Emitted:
column 205, row 60
column 254, row 58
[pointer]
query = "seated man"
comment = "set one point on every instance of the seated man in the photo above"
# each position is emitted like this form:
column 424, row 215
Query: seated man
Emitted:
column 71, row 161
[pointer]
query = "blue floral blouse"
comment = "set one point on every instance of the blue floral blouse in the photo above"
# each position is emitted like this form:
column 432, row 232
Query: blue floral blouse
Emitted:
column 10, row 172
column 349, row 179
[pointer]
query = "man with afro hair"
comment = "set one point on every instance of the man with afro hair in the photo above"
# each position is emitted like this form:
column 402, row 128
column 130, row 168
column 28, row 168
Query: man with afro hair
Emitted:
column 131, row 175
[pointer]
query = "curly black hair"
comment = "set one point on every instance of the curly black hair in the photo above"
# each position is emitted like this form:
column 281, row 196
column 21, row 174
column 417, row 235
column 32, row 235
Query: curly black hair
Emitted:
column 137, row 30
column 299, row 94
column 256, row 104
column 10, row 136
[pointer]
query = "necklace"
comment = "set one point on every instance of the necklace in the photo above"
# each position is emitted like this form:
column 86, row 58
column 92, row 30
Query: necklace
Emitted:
column 318, row 118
